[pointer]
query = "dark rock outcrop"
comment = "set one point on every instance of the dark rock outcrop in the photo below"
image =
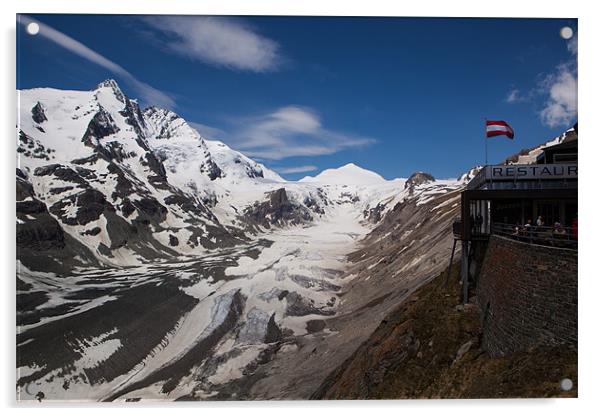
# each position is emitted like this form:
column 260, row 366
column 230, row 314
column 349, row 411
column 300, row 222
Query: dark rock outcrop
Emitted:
column 90, row 205
column 30, row 147
column 273, row 332
column 100, row 126
column 62, row 172
column 419, row 178
column 297, row 305
column 277, row 210
column 33, row 206
column 113, row 152
column 124, row 186
column 134, row 118
column 36, row 228
column 211, row 169
column 173, row 240
column 150, row 210
column 253, row 172
column 37, row 113
column 189, row 204
column 93, row 231
column 42, row 243
column 156, row 166
column 23, row 187
column 374, row 215
column 127, row 208
column 312, row 204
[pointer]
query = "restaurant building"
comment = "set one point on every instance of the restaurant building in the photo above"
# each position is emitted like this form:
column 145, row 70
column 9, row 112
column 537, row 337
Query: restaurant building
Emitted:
column 535, row 203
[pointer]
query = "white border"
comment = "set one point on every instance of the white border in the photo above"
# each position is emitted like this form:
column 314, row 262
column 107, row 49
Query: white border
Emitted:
column 590, row 273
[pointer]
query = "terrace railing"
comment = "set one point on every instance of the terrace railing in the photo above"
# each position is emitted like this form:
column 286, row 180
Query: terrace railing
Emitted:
column 556, row 236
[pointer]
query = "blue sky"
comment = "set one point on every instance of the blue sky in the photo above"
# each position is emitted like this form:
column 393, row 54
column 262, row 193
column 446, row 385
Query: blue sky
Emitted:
column 302, row 94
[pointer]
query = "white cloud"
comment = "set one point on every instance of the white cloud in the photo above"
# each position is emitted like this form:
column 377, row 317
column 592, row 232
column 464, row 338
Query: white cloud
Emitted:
column 559, row 92
column 206, row 131
column 148, row 93
column 297, row 169
column 572, row 44
column 217, row 40
column 291, row 131
column 561, row 105
column 514, row 96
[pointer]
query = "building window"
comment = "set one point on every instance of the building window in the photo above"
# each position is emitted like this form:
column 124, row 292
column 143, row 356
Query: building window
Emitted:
column 565, row 157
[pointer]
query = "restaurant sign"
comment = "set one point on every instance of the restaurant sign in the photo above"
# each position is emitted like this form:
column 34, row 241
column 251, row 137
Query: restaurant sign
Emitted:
column 549, row 171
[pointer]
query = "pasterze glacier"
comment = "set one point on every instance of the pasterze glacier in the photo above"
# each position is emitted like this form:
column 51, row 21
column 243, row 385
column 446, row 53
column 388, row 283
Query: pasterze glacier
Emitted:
column 155, row 263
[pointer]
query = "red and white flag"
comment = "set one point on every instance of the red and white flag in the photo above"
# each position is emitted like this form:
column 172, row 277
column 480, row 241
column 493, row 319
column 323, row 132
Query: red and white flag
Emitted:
column 499, row 128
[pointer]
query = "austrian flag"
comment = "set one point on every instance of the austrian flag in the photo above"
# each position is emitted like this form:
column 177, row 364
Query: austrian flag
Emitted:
column 499, row 128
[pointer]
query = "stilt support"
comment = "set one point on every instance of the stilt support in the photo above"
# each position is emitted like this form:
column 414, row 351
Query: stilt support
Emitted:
column 464, row 270
column 451, row 261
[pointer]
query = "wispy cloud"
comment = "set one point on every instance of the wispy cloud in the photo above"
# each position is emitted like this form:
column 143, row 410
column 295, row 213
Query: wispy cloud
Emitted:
column 146, row 92
column 219, row 41
column 207, row 131
column 291, row 131
column 515, row 96
column 561, row 104
column 297, row 169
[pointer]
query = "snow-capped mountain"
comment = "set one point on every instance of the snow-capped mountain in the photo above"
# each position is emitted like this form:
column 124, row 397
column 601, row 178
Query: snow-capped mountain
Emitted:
column 226, row 180
column 349, row 174
column 181, row 148
column 154, row 263
column 94, row 160
column 128, row 185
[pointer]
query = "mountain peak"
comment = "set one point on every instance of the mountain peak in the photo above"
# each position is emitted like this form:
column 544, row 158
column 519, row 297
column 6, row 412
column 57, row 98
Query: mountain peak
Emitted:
column 112, row 84
column 349, row 174
column 419, row 178
column 350, row 165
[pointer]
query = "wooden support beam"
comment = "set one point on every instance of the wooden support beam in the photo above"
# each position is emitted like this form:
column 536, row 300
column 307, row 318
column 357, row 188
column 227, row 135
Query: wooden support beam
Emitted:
column 464, row 270
column 465, row 216
column 451, row 261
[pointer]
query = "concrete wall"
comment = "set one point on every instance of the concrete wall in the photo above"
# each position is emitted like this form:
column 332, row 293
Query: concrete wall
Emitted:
column 527, row 295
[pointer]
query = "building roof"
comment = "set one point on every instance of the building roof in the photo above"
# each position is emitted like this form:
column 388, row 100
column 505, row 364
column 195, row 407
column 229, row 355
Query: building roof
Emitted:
column 567, row 146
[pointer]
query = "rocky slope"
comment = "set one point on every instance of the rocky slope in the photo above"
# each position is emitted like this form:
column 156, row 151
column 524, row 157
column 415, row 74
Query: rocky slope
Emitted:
column 429, row 347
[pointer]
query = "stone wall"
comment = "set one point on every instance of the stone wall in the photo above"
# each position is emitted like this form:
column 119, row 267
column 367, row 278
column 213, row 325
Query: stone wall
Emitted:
column 527, row 295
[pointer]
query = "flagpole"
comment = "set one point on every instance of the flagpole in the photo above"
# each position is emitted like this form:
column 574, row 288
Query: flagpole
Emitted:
column 486, row 141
